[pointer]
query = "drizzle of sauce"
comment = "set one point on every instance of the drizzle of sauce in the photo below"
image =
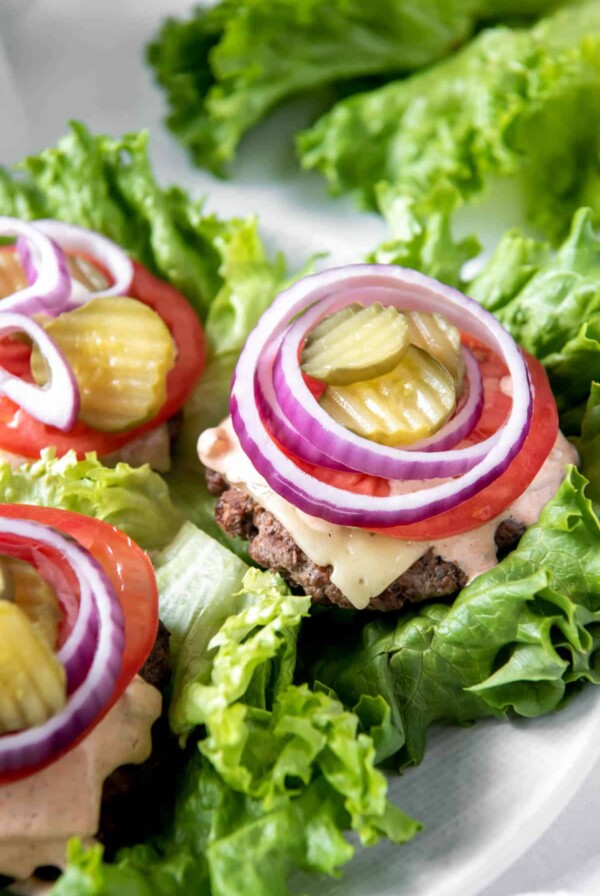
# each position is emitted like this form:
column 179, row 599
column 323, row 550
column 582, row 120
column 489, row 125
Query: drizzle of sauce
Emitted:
column 363, row 563
column 40, row 813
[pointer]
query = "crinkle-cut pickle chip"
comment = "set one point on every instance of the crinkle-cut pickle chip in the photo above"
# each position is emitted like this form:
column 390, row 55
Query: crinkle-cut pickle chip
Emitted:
column 29, row 590
column 410, row 403
column 12, row 275
column 356, row 343
column 439, row 338
column 32, row 680
column 120, row 351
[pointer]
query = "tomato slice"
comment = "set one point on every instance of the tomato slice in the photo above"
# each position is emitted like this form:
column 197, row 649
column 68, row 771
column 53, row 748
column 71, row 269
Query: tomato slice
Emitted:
column 496, row 497
column 22, row 434
column 131, row 574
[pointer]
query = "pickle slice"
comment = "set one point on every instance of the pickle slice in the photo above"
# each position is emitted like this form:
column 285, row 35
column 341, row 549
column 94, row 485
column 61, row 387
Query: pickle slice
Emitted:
column 355, row 343
column 439, row 338
column 12, row 275
column 410, row 403
column 32, row 680
column 120, row 351
column 35, row 596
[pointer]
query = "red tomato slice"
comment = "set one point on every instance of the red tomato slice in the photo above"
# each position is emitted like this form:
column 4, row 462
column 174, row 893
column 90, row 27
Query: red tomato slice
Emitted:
column 21, row 434
column 131, row 574
column 497, row 496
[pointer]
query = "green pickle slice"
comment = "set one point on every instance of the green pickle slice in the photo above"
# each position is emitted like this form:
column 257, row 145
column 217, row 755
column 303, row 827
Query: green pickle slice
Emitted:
column 32, row 680
column 439, row 338
column 120, row 351
column 409, row 403
column 24, row 586
column 356, row 343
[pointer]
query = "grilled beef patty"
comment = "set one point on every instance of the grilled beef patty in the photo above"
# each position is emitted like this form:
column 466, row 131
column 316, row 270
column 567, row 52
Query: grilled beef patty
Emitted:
column 272, row 546
column 132, row 794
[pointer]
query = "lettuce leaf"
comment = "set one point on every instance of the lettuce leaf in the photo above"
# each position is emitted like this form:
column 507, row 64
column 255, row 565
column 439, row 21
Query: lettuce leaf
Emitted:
column 108, row 185
column 519, row 103
column 280, row 774
column 227, row 66
column 135, row 500
column 428, row 245
column 221, row 266
column 199, row 584
column 588, row 445
column 550, row 303
column 517, row 639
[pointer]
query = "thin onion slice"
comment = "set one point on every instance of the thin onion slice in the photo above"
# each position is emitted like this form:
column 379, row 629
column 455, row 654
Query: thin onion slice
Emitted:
column 278, row 424
column 37, row 746
column 46, row 269
column 79, row 241
column 408, row 290
column 57, row 402
column 290, row 408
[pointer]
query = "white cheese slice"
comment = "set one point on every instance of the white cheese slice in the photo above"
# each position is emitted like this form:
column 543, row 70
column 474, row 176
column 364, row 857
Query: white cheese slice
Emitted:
column 363, row 563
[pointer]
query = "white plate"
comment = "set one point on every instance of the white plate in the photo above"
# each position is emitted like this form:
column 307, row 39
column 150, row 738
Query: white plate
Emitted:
column 486, row 793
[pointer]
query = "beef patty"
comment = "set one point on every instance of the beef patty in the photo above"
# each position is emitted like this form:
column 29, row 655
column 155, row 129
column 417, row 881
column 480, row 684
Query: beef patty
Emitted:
column 133, row 794
column 272, row 546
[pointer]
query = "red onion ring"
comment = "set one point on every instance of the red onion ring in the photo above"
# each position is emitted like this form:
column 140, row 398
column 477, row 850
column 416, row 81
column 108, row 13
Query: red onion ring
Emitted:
column 50, row 288
column 39, row 745
column 305, row 415
column 80, row 241
column 407, row 289
column 56, row 403
column 77, row 651
column 278, row 424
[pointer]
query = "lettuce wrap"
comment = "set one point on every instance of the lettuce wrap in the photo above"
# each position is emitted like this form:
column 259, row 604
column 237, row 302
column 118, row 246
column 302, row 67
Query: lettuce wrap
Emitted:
column 283, row 712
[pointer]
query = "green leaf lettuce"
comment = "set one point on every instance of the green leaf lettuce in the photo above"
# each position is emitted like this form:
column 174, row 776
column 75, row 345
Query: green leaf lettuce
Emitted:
column 515, row 102
column 516, row 639
column 228, row 65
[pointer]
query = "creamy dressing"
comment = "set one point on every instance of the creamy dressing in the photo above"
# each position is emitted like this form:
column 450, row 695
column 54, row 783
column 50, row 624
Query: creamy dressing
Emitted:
column 40, row 813
column 363, row 563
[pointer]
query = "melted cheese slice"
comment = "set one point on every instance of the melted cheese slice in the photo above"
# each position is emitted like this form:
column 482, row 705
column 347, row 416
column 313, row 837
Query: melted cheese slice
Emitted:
column 363, row 563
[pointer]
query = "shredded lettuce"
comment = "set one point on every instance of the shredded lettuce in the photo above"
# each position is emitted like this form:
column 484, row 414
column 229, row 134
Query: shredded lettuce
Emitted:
column 520, row 103
column 227, row 66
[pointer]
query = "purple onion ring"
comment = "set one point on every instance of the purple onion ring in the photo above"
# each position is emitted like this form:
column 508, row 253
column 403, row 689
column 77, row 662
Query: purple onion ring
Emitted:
column 405, row 289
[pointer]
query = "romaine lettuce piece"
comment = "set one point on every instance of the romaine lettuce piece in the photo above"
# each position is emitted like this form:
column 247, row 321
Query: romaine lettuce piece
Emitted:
column 199, row 584
column 513, row 103
column 518, row 638
column 227, row 66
